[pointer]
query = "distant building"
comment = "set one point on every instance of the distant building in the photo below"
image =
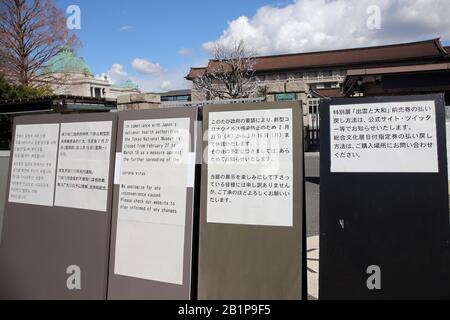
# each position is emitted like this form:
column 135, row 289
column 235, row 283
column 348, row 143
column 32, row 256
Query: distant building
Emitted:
column 324, row 72
column 401, row 80
column 72, row 76
column 176, row 96
column 407, row 68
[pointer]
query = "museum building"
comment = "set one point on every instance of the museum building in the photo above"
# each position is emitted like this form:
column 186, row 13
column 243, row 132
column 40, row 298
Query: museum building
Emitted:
column 338, row 73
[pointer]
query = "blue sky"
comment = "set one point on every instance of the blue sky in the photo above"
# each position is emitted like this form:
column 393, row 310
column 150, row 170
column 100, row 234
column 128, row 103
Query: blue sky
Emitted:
column 155, row 42
column 115, row 33
column 158, row 29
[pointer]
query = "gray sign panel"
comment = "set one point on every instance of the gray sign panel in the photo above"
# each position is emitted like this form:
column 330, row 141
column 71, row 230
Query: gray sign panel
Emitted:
column 252, row 204
column 152, row 227
column 58, row 249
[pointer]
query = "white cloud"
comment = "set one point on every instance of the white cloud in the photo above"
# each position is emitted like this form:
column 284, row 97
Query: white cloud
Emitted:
column 116, row 74
column 166, row 85
column 126, row 28
column 310, row 25
column 117, row 69
column 165, row 80
column 184, row 52
column 146, row 67
column 172, row 79
column 101, row 76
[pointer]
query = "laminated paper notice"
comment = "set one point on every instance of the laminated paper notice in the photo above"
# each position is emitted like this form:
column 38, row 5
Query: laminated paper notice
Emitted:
column 152, row 199
column 250, row 168
column 34, row 164
column 384, row 137
column 83, row 165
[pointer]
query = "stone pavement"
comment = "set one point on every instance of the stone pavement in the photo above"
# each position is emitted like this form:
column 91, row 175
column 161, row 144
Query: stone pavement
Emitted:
column 312, row 177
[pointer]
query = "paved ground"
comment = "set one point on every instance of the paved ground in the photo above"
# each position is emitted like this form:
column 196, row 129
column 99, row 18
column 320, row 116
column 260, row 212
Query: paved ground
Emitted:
column 312, row 177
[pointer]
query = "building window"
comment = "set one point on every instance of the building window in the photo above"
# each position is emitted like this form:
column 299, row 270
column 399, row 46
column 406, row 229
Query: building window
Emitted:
column 314, row 106
column 298, row 75
column 312, row 74
column 285, row 97
column 97, row 93
column 327, row 73
column 261, row 77
column 175, row 98
column 282, row 76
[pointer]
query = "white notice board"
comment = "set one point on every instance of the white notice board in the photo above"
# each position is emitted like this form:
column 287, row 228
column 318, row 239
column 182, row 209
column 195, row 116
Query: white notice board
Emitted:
column 384, row 137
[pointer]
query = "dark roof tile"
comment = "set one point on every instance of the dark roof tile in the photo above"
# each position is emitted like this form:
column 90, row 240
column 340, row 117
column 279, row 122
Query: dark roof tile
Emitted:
column 405, row 52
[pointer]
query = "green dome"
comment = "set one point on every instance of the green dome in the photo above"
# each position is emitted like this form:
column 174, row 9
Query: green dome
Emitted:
column 66, row 61
column 129, row 84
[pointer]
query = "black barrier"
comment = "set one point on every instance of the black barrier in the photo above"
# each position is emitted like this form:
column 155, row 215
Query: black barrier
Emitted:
column 384, row 234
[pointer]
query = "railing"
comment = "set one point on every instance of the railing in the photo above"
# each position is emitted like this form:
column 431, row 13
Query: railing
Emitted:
column 307, row 79
column 324, row 79
column 187, row 104
column 313, row 124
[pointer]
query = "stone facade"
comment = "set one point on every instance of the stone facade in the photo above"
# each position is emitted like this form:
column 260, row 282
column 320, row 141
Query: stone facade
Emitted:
column 297, row 90
column 79, row 84
column 138, row 102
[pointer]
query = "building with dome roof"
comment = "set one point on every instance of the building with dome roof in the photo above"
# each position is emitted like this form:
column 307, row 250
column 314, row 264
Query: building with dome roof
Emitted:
column 71, row 76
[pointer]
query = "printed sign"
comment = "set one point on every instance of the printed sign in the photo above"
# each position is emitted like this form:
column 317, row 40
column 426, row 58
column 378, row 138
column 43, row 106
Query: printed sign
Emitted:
column 34, row 164
column 152, row 199
column 83, row 165
column 384, row 137
column 250, row 168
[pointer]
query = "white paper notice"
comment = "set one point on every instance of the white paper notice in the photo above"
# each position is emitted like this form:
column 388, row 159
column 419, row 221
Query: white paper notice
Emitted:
column 152, row 199
column 83, row 165
column 384, row 137
column 34, row 164
column 250, row 168
column 117, row 167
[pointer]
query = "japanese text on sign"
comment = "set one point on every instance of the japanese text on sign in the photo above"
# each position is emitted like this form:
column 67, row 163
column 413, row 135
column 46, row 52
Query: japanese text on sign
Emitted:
column 83, row 165
column 250, row 167
column 34, row 164
column 384, row 137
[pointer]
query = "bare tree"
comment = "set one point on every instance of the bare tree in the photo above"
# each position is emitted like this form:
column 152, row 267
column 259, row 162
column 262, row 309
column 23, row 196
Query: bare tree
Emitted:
column 230, row 74
column 31, row 33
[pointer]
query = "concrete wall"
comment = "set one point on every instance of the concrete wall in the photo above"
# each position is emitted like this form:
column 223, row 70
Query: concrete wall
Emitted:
column 140, row 101
column 4, row 168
